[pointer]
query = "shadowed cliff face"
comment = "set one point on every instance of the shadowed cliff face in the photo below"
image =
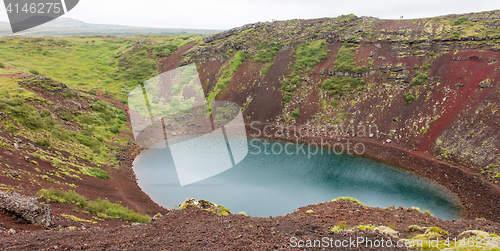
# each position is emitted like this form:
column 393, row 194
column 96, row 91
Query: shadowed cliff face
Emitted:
column 429, row 84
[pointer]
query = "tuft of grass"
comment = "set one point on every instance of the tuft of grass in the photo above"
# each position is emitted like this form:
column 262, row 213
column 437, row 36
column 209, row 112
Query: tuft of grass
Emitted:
column 409, row 97
column 349, row 199
column 71, row 197
column 296, row 113
column 99, row 173
column 338, row 227
column 106, row 209
column 43, row 142
column 419, row 79
column 74, row 218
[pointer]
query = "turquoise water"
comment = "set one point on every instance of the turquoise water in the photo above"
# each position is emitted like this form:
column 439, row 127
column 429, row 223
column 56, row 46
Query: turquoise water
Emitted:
column 278, row 183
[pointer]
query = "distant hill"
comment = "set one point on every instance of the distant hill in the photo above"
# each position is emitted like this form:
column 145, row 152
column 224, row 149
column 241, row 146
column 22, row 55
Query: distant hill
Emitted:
column 71, row 27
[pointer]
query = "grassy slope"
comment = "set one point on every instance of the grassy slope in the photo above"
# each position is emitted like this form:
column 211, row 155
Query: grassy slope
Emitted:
column 75, row 141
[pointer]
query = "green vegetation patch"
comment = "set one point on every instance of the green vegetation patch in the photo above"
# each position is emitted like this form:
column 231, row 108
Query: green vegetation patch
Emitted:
column 459, row 21
column 309, row 55
column 409, row 97
column 350, row 199
column 339, row 86
column 114, row 64
column 345, row 60
column 205, row 205
column 266, row 51
column 339, row 227
column 419, row 79
column 99, row 173
column 99, row 207
column 226, row 76
column 164, row 50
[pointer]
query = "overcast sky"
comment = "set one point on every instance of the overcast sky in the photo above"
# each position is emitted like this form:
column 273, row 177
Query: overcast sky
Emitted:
column 226, row 14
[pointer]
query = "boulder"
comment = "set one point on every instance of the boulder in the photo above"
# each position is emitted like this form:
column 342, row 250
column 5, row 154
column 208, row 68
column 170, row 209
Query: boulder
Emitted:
column 398, row 69
column 473, row 234
column 26, row 207
column 14, row 174
column 485, row 83
column 32, row 146
column 388, row 231
column 205, row 205
column 156, row 217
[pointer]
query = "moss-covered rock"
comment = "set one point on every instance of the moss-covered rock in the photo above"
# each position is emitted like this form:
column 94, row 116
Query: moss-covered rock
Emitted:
column 387, row 231
column 205, row 205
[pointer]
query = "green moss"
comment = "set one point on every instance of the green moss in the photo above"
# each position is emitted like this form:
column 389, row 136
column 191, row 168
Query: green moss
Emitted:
column 349, row 199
